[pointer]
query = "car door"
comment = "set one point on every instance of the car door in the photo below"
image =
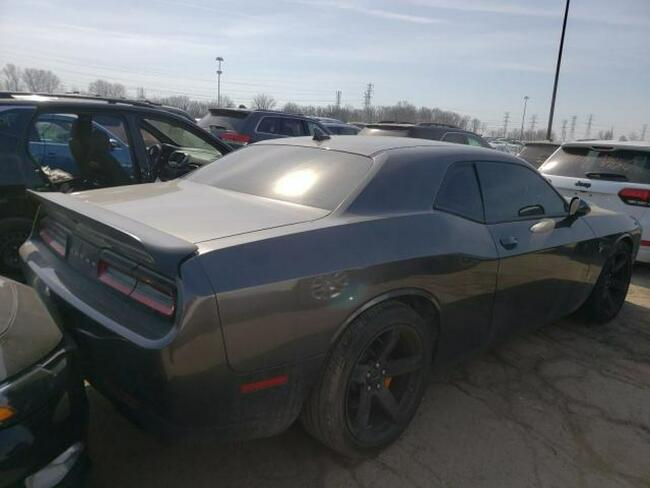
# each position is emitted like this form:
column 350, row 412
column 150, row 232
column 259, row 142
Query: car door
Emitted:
column 543, row 254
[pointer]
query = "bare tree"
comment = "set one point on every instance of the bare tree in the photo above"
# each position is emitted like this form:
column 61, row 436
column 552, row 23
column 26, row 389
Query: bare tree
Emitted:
column 105, row 88
column 263, row 102
column 227, row 102
column 12, row 77
column 292, row 108
column 40, row 80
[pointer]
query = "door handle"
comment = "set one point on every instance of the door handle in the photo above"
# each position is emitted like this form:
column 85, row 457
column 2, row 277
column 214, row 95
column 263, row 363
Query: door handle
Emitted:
column 509, row 242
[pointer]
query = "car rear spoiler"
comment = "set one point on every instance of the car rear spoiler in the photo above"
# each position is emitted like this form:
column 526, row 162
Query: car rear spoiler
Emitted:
column 156, row 249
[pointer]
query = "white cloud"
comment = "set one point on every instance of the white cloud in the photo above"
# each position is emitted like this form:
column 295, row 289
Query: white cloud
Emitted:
column 371, row 11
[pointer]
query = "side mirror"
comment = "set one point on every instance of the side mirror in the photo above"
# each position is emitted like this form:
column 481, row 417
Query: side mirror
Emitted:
column 578, row 207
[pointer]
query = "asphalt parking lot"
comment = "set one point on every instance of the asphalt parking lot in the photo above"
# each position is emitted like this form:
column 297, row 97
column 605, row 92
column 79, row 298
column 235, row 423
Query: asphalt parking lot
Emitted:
column 566, row 406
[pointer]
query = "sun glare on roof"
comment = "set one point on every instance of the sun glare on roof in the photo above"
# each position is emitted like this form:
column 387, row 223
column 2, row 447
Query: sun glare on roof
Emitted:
column 295, row 183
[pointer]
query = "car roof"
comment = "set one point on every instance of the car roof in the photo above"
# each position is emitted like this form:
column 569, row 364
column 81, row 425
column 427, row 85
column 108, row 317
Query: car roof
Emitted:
column 637, row 145
column 371, row 146
column 74, row 101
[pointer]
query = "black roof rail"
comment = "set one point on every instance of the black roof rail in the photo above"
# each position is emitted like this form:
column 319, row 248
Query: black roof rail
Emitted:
column 79, row 96
column 438, row 124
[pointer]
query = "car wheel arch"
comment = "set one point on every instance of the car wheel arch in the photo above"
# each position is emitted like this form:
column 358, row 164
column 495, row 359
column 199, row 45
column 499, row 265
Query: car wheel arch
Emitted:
column 423, row 302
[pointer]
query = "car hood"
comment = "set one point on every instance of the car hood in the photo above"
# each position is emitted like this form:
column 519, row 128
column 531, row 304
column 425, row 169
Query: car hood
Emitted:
column 195, row 212
column 27, row 331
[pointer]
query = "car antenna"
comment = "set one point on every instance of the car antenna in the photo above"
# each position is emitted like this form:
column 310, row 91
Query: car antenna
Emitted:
column 320, row 136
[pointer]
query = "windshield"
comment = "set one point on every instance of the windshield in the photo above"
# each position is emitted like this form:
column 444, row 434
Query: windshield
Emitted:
column 306, row 176
column 586, row 162
column 536, row 154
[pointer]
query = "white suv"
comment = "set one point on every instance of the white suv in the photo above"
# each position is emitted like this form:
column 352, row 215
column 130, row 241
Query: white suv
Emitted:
column 612, row 175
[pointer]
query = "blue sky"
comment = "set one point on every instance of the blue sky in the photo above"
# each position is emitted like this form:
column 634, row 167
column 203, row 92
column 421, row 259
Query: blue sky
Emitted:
column 479, row 57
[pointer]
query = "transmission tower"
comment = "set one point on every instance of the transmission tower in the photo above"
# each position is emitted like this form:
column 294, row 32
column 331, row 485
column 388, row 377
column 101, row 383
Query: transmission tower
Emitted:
column 643, row 131
column 572, row 131
column 506, row 119
column 533, row 124
column 367, row 100
column 589, row 122
column 564, row 125
column 338, row 99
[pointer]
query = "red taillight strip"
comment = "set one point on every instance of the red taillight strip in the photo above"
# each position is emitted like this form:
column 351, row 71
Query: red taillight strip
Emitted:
column 230, row 136
column 645, row 243
column 264, row 384
column 55, row 245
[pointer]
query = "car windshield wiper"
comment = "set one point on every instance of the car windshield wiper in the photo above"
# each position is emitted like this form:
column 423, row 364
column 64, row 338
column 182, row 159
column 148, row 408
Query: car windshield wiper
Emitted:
column 607, row 176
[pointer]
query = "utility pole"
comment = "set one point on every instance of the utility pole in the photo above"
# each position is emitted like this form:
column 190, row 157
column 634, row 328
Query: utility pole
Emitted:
column 643, row 131
column 506, row 118
column 557, row 73
column 572, row 131
column 589, row 122
column 367, row 100
column 219, row 60
column 564, row 124
column 523, row 118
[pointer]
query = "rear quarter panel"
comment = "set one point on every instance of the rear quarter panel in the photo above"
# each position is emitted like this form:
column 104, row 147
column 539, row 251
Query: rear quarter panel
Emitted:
column 284, row 299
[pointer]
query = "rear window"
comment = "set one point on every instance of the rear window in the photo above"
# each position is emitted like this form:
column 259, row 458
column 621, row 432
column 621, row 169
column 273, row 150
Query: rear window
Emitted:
column 219, row 122
column 312, row 177
column 586, row 162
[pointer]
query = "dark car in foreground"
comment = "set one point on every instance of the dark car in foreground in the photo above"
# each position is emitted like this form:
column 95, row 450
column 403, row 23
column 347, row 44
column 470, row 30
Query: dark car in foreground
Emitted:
column 239, row 127
column 43, row 408
column 535, row 153
column 317, row 278
column 425, row 130
column 71, row 143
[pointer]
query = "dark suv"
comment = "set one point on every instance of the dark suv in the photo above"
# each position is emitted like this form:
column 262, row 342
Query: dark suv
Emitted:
column 426, row 130
column 72, row 143
column 239, row 127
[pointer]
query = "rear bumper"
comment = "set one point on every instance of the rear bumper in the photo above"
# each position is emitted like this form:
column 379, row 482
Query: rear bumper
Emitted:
column 47, row 446
column 179, row 387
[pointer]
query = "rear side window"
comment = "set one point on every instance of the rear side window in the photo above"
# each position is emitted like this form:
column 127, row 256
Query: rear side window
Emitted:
column 455, row 137
column 13, row 120
column 460, row 193
column 305, row 176
column 282, row 126
column 472, row 140
column 586, row 162
column 513, row 192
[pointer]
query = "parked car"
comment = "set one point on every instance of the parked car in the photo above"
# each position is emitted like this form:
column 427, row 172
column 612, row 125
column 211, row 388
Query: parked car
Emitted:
column 341, row 129
column 69, row 143
column 612, row 175
column 318, row 276
column 537, row 152
column 239, row 127
column 43, row 409
column 328, row 120
column 432, row 131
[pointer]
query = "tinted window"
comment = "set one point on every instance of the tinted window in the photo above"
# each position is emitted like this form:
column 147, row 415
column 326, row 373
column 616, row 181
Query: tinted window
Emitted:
column 460, row 193
column 283, row 126
column 586, row 162
column 513, row 192
column 472, row 140
column 228, row 121
column 314, row 128
column 300, row 175
column 171, row 132
column 455, row 137
column 12, row 119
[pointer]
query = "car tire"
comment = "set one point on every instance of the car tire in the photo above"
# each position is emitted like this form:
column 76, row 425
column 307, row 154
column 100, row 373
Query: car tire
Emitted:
column 13, row 232
column 608, row 295
column 381, row 362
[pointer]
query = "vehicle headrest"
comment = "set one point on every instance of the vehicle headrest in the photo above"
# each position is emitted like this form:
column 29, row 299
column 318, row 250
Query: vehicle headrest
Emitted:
column 98, row 142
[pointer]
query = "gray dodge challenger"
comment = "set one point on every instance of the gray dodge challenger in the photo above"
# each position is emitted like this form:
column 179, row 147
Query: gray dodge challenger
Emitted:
column 317, row 279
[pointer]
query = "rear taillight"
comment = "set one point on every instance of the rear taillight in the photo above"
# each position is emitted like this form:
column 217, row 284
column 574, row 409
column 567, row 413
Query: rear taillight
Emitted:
column 55, row 238
column 139, row 284
column 635, row 196
column 235, row 138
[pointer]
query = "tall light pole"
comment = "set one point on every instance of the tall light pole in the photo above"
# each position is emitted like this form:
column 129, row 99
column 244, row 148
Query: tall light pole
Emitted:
column 557, row 72
column 219, row 60
column 523, row 118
